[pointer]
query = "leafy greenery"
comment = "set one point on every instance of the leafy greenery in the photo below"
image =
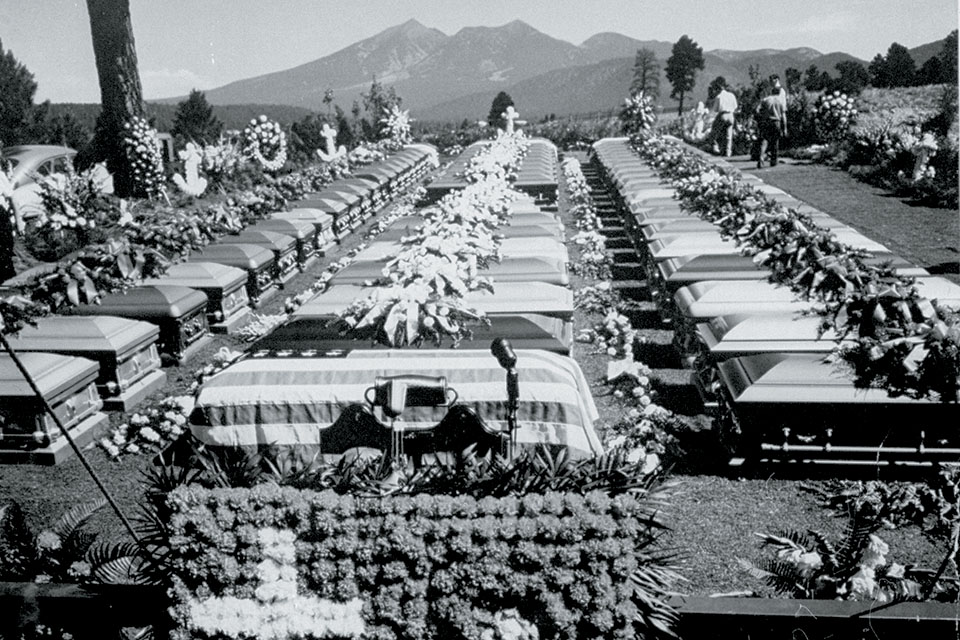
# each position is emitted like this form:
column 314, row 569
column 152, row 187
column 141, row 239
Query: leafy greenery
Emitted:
column 808, row 565
column 902, row 341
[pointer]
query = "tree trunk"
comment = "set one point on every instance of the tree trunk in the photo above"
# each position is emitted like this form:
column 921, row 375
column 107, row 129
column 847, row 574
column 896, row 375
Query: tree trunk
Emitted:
column 680, row 108
column 121, row 95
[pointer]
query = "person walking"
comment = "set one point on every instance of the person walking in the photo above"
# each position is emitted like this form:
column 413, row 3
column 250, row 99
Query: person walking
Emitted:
column 772, row 123
column 726, row 104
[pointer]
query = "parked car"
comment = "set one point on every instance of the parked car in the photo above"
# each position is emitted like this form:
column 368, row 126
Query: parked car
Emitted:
column 29, row 163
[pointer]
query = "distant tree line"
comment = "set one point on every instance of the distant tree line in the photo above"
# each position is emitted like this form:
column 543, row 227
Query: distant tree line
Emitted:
column 895, row 69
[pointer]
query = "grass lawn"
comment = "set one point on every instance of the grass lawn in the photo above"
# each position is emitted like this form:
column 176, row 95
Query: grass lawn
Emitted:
column 713, row 514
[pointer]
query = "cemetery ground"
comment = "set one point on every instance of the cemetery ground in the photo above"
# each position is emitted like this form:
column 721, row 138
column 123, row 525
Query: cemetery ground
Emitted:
column 714, row 513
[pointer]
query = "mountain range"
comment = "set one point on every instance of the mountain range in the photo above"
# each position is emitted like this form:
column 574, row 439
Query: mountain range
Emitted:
column 441, row 77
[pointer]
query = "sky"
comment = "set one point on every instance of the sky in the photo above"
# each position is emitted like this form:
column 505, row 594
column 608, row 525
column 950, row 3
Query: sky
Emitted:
column 186, row 44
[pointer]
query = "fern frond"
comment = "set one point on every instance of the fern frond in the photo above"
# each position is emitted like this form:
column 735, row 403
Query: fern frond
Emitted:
column 784, row 542
column 75, row 517
column 122, row 563
column 860, row 526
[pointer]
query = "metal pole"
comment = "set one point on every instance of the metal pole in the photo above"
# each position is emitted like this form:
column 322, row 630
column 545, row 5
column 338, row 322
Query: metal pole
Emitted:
column 66, row 434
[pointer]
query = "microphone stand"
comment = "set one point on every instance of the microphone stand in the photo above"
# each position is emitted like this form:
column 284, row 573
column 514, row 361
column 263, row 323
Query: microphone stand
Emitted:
column 503, row 352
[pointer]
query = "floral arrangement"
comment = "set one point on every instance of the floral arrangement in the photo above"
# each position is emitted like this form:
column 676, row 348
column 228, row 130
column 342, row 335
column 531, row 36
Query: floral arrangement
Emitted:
column 219, row 161
column 71, row 201
column 420, row 295
column 149, row 430
column 808, row 565
column 593, row 261
column 637, row 114
column 902, row 342
column 59, row 553
column 142, row 149
column 600, row 298
column 834, row 114
column 266, row 143
column 260, row 325
column 613, row 335
column 395, row 126
column 277, row 612
column 568, row 558
column 581, row 203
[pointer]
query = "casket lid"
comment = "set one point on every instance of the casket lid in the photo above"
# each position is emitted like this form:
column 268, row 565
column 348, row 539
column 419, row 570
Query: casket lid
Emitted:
column 328, row 202
column 534, row 269
column 250, row 257
column 314, row 216
column 378, row 174
column 525, row 331
column 202, row 275
column 362, row 185
column 148, row 302
column 269, row 239
column 55, row 376
column 344, row 189
column 93, row 334
column 294, row 228
column 777, row 378
column 508, row 298
column 743, row 333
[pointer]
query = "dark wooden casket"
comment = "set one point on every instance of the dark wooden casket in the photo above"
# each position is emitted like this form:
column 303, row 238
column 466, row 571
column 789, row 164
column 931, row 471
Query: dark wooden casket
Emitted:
column 255, row 260
column 180, row 312
column 303, row 232
column 125, row 350
column 28, row 435
column 225, row 288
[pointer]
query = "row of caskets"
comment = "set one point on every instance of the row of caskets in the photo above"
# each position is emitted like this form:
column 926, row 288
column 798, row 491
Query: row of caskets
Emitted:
column 299, row 386
column 109, row 355
column 536, row 176
column 759, row 358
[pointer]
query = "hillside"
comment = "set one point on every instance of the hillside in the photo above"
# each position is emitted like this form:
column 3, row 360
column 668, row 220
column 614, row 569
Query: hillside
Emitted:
column 452, row 77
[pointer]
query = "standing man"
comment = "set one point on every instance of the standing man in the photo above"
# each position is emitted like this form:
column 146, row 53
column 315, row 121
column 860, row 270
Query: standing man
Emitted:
column 725, row 104
column 772, row 123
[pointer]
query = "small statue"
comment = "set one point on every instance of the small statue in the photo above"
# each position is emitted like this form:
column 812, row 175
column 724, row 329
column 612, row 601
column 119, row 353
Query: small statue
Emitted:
column 333, row 153
column 511, row 117
column 193, row 185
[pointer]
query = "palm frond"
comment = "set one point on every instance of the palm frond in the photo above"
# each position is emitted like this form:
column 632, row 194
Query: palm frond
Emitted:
column 75, row 517
column 122, row 563
column 860, row 526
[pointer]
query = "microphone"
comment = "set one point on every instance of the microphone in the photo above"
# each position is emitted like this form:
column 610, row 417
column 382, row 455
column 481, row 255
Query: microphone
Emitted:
column 503, row 352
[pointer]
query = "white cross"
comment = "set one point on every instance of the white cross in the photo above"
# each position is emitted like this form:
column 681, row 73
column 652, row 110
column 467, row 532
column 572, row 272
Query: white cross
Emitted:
column 510, row 115
column 330, row 134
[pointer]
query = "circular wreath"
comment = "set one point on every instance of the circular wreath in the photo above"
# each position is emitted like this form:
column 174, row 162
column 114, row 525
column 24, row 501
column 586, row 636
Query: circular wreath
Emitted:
column 265, row 141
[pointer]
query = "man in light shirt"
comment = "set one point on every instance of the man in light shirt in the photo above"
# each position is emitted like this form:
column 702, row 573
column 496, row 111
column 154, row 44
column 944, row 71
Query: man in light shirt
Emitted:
column 725, row 104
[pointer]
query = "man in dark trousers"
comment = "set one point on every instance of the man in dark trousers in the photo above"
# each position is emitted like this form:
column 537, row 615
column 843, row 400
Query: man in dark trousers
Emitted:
column 772, row 123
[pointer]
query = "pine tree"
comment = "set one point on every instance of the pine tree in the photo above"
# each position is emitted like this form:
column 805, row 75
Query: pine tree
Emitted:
column 121, row 95
column 646, row 74
column 686, row 58
column 17, row 89
column 499, row 105
column 194, row 120
column 879, row 75
column 901, row 69
column 948, row 57
column 853, row 76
